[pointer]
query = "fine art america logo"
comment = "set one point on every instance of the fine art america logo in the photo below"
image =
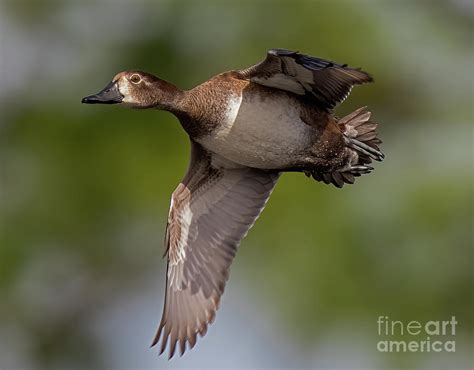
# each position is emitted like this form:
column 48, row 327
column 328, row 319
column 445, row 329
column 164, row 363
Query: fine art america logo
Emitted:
column 429, row 336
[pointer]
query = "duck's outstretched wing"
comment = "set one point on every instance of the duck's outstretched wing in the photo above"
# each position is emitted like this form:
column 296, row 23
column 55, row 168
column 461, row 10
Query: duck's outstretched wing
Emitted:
column 327, row 82
column 212, row 209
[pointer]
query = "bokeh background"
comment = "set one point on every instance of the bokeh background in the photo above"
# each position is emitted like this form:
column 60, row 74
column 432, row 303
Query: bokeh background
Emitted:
column 84, row 190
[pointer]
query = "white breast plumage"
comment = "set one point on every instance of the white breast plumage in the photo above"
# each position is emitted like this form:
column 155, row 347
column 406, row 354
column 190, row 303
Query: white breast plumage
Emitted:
column 260, row 131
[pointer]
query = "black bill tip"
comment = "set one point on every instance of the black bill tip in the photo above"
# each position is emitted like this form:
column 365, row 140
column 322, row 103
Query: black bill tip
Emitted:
column 88, row 100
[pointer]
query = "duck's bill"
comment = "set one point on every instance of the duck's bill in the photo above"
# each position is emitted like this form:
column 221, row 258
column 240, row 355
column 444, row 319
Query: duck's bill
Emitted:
column 109, row 95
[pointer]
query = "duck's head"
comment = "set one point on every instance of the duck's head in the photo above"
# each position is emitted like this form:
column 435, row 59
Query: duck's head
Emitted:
column 135, row 89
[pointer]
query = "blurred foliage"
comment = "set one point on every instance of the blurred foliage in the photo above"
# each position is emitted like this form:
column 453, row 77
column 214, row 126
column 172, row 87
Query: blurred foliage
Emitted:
column 91, row 185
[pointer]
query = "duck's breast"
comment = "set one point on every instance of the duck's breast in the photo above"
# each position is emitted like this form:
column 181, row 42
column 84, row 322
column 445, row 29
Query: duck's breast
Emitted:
column 262, row 129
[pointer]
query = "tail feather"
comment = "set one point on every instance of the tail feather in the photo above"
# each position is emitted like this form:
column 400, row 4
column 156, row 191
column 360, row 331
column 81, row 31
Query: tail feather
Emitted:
column 361, row 139
column 360, row 134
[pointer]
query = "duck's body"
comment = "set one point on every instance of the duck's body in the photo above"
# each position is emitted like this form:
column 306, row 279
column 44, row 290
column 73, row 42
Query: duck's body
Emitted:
column 260, row 127
column 246, row 128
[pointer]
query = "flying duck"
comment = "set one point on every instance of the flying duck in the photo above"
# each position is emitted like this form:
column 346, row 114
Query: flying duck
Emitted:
column 246, row 128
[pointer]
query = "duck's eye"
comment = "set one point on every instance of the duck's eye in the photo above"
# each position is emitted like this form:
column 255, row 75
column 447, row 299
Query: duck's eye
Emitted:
column 135, row 79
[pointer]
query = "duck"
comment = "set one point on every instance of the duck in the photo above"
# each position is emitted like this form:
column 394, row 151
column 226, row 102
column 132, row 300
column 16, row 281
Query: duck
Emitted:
column 246, row 127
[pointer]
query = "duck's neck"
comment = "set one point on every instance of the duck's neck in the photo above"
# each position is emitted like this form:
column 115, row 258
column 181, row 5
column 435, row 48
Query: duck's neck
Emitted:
column 183, row 104
column 186, row 105
column 168, row 97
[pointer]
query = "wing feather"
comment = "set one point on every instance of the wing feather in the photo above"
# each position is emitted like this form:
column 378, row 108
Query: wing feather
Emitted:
column 327, row 82
column 211, row 211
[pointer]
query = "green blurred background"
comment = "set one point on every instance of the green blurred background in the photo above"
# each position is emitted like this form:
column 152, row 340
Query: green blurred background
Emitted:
column 84, row 190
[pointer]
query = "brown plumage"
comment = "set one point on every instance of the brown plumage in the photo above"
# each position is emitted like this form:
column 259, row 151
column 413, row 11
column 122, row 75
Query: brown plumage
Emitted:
column 246, row 128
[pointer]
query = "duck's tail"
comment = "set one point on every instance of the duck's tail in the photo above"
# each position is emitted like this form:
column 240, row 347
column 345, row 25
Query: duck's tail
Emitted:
column 362, row 145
